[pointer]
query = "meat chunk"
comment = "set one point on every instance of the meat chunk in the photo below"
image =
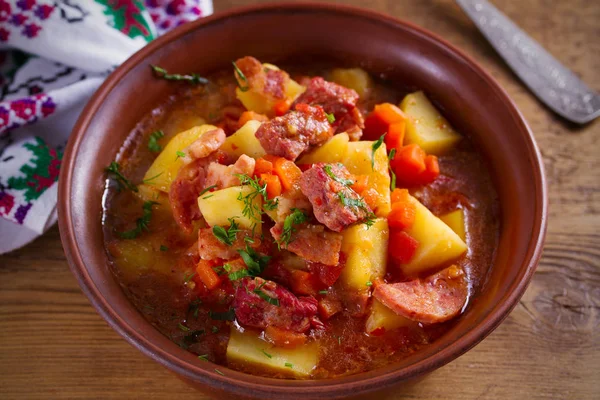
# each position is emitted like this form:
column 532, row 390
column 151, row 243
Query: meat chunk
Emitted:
column 335, row 99
column 184, row 192
column 224, row 176
column 293, row 133
column 205, row 145
column 210, row 248
column 352, row 123
column 312, row 243
column 438, row 298
column 328, row 274
column 266, row 81
column 335, row 205
column 252, row 309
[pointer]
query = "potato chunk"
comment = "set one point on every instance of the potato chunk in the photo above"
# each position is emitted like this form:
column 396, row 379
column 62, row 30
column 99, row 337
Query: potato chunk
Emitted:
column 332, row 151
column 382, row 319
column 358, row 161
column 366, row 249
column 353, row 78
column 426, row 126
column 247, row 347
column 456, row 221
column 217, row 207
column 438, row 244
column 243, row 141
column 165, row 167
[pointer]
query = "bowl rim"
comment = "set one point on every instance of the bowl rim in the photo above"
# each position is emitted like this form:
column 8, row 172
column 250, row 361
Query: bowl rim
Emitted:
column 239, row 383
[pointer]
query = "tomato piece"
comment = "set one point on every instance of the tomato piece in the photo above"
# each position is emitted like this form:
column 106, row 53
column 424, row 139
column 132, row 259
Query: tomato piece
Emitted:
column 402, row 246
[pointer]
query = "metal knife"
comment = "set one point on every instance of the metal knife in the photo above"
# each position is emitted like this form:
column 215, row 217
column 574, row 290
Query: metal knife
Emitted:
column 548, row 79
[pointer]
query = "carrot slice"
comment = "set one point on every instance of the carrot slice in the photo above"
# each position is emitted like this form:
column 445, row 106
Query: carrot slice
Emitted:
column 287, row 171
column 304, row 283
column 402, row 215
column 408, row 164
column 395, row 135
column 273, row 185
column 251, row 116
column 282, row 106
column 361, row 182
column 432, row 170
column 402, row 246
column 207, row 275
column 389, row 113
column 263, row 166
column 380, row 119
column 399, row 195
column 284, row 338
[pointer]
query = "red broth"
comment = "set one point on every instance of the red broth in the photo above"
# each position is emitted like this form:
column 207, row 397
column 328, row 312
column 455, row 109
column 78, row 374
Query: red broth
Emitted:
column 156, row 267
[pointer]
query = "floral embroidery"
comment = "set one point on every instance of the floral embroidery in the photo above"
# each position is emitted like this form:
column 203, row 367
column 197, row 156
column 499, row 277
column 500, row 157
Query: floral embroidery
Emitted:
column 16, row 113
column 4, row 35
column 23, row 17
column 25, row 5
column 167, row 14
column 7, row 202
column 127, row 17
column 5, row 10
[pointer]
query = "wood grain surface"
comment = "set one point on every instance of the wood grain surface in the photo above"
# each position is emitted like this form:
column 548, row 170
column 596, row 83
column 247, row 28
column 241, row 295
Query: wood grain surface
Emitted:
column 54, row 345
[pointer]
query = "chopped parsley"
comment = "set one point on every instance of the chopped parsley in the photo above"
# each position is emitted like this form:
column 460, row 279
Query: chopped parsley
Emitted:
column 187, row 278
column 330, row 118
column 141, row 223
column 289, row 365
column 240, row 77
column 153, row 141
column 251, row 210
column 228, row 315
column 255, row 261
column 242, row 273
column 192, row 338
column 180, row 154
column 193, row 78
column 323, row 292
column 297, row 217
column 392, row 174
column 329, row 172
column 194, row 307
column 374, row 148
column 163, row 248
column 152, row 178
column 229, row 235
column 219, row 372
column 219, row 270
column 358, row 203
column 266, row 297
column 369, row 283
column 214, row 329
column 203, row 357
column 266, row 354
column 113, row 169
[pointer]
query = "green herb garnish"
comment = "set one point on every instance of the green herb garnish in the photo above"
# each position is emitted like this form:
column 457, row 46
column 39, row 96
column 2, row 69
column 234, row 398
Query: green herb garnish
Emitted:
column 219, row 372
column 113, row 169
column 214, row 329
column 194, row 307
column 229, row 235
column 297, row 217
column 369, row 283
column 266, row 354
column 207, row 189
column 266, row 297
column 153, row 141
column 183, row 327
column 228, row 315
column 203, row 357
column 374, row 148
column 242, row 273
column 193, row 78
column 180, row 154
column 141, row 223
column 187, row 278
column 255, row 262
column 329, row 172
column 392, row 174
column 358, row 203
column 241, row 77
column 330, row 118
column 323, row 292
column 251, row 210
column 289, row 365
column 163, row 248
column 149, row 180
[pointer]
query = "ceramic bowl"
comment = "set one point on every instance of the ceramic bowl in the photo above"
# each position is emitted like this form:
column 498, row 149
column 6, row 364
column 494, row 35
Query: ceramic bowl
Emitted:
column 473, row 102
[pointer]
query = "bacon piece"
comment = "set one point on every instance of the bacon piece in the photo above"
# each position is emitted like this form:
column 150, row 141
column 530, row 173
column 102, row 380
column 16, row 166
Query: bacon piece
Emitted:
column 205, row 145
column 292, row 313
column 224, row 176
column 293, row 133
column 265, row 81
column 210, row 248
column 326, row 195
column 313, row 243
column 437, row 298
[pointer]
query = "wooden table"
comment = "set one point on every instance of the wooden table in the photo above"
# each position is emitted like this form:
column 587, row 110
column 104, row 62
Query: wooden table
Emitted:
column 54, row 345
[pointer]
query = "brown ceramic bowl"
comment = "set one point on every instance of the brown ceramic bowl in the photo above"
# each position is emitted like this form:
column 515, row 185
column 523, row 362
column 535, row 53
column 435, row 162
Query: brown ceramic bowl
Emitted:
column 469, row 97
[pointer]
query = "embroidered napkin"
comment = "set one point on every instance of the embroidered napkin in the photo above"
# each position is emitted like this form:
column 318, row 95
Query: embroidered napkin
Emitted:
column 53, row 56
